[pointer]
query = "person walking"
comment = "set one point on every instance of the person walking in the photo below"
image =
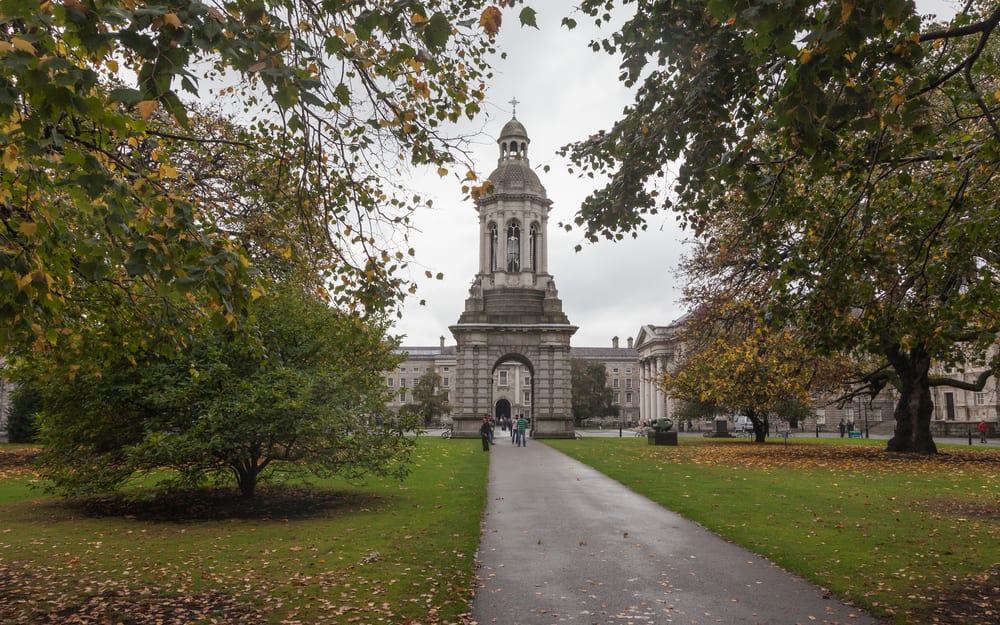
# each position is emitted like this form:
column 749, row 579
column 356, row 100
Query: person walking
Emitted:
column 843, row 428
column 982, row 431
column 522, row 425
column 486, row 432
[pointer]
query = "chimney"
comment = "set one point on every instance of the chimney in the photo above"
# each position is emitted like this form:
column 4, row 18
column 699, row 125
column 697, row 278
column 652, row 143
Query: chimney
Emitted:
column 442, row 341
column 614, row 342
column 630, row 342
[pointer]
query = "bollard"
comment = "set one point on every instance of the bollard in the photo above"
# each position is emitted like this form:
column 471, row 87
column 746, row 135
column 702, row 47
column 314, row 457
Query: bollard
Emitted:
column 970, row 436
column 817, row 430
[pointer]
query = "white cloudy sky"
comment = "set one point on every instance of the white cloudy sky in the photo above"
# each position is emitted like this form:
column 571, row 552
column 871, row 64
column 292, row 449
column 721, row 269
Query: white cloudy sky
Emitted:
column 565, row 92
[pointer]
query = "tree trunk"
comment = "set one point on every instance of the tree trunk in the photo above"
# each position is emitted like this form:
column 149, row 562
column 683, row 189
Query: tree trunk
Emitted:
column 759, row 426
column 915, row 407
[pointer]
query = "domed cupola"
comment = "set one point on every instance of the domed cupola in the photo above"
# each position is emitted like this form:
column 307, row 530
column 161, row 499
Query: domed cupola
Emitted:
column 513, row 174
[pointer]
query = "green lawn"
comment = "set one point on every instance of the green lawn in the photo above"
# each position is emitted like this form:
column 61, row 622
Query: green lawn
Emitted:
column 382, row 552
column 914, row 538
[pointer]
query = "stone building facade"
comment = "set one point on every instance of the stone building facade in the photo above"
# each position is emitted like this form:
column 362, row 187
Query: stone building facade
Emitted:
column 512, row 347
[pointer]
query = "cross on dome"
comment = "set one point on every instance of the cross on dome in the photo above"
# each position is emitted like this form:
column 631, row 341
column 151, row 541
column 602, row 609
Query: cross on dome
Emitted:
column 513, row 104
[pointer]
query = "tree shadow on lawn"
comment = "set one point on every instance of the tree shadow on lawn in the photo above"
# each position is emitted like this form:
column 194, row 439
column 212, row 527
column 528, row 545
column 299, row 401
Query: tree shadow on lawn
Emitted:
column 218, row 504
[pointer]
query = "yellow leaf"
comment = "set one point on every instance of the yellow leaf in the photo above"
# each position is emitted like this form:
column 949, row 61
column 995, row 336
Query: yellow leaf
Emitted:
column 27, row 228
column 10, row 158
column 846, row 8
column 442, row 171
column 146, row 108
column 417, row 18
column 166, row 171
column 22, row 45
column 283, row 40
column 5, row 47
column 804, row 56
column 172, row 19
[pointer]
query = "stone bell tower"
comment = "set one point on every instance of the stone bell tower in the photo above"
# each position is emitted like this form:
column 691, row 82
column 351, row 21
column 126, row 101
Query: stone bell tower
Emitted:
column 513, row 312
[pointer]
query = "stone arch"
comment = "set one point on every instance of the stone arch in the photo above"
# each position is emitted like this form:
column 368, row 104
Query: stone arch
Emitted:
column 542, row 352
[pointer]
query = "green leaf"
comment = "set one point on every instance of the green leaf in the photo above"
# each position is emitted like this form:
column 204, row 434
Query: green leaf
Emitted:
column 437, row 31
column 527, row 17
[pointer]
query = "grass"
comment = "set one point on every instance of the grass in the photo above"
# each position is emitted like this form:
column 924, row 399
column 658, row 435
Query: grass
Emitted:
column 915, row 539
column 381, row 552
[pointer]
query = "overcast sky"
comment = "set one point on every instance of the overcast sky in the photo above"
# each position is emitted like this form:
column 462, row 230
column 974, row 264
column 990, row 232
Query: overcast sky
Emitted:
column 565, row 92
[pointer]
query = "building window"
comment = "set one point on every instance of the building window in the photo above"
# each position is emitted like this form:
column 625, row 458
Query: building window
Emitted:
column 618, row 398
column 849, row 413
column 513, row 247
column 503, row 377
column 628, row 371
column 628, row 397
column 389, row 382
column 444, row 381
column 527, row 379
column 402, row 395
column 402, row 382
column 615, row 371
column 494, row 237
column 628, row 383
column 447, row 369
column 527, row 397
column 980, row 399
column 533, row 248
column 949, row 406
column 614, row 383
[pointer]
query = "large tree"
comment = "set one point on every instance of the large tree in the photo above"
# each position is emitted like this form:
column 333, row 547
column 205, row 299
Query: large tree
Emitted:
column 430, row 399
column 295, row 389
column 848, row 149
column 591, row 395
column 734, row 362
column 95, row 194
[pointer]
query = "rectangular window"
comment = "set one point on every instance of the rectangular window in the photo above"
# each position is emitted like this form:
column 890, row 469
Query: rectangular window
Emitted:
column 949, row 406
column 615, row 371
column 444, row 381
column 980, row 399
column 527, row 397
column 390, row 382
column 402, row 382
column 849, row 414
column 628, row 383
column 628, row 397
column 527, row 380
column 614, row 383
column 446, row 369
column 416, row 381
column 402, row 395
column 628, row 371
column 503, row 377
column 618, row 398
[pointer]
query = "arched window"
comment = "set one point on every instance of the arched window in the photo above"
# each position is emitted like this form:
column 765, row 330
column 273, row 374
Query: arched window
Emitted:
column 513, row 247
column 494, row 237
column 533, row 248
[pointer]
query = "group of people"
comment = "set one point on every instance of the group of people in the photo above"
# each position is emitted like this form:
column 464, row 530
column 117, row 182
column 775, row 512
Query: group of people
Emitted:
column 845, row 427
column 518, row 430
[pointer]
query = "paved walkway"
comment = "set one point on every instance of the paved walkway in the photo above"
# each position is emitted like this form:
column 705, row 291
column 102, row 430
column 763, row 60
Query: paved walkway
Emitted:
column 562, row 543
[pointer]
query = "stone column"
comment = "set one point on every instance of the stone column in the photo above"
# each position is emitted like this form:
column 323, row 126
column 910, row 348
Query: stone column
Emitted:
column 658, row 394
column 647, row 395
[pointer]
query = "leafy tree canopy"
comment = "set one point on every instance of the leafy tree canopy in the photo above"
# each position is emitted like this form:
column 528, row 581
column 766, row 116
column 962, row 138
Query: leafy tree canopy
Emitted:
column 100, row 205
column 591, row 395
column 841, row 157
column 297, row 389
column 430, row 399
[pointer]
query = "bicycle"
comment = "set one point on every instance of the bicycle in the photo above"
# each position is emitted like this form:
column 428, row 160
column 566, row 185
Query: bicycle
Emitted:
column 447, row 432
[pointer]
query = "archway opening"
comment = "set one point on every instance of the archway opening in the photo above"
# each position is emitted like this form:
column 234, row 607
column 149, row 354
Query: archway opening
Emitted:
column 513, row 385
column 502, row 410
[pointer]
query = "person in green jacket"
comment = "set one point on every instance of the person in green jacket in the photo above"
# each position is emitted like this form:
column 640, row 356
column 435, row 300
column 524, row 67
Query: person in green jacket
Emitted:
column 522, row 425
